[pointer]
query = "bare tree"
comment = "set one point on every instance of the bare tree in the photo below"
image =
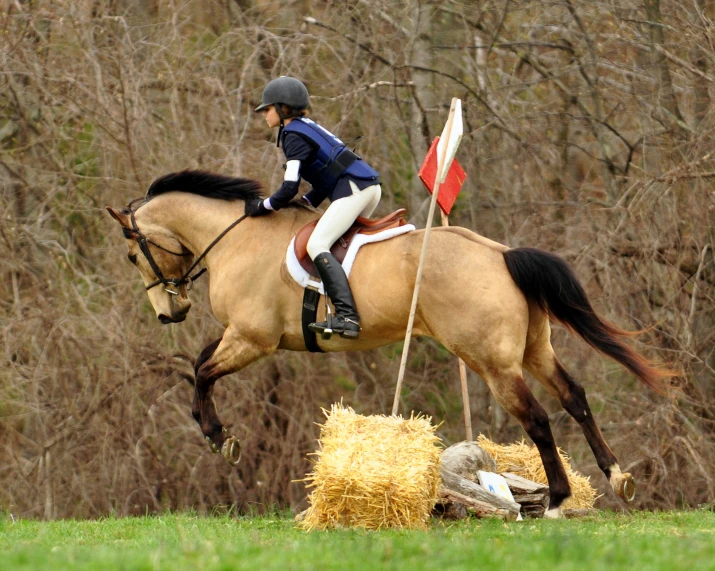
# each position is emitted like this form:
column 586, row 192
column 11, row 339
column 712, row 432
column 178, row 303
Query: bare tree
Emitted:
column 588, row 133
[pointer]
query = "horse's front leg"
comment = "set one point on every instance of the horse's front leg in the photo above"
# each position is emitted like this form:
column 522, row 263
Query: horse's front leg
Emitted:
column 204, row 356
column 224, row 356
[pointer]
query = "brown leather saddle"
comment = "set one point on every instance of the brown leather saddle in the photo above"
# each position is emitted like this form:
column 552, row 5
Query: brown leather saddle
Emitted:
column 340, row 248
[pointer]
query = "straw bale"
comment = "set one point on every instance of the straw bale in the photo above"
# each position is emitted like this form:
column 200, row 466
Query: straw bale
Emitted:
column 373, row 472
column 524, row 460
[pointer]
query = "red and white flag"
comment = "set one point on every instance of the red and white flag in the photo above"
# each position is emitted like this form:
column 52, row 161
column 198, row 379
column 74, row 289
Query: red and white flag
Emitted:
column 452, row 174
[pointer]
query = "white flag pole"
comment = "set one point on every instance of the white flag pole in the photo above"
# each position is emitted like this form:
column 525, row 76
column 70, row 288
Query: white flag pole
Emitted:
column 449, row 143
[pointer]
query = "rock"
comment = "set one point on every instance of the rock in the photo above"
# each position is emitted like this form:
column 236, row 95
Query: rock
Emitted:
column 465, row 458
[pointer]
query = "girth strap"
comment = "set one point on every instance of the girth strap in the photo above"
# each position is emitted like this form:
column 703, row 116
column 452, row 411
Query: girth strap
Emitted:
column 309, row 315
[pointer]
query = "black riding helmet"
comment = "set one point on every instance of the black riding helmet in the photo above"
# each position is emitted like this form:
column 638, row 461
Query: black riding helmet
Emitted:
column 287, row 91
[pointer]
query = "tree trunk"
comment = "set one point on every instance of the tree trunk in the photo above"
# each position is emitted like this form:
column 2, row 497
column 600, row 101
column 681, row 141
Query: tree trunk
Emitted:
column 422, row 99
column 454, row 502
column 701, row 90
column 666, row 95
column 457, row 483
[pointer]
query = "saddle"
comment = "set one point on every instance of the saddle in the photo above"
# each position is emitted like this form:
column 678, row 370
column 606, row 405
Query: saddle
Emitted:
column 340, row 248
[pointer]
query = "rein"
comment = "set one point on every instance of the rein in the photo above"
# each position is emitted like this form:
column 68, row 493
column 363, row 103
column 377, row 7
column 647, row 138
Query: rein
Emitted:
column 187, row 278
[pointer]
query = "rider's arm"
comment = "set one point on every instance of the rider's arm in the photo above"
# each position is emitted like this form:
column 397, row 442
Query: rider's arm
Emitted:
column 314, row 197
column 296, row 150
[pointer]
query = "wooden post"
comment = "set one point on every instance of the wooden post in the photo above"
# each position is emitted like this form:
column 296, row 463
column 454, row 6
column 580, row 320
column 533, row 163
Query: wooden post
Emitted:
column 462, row 375
column 465, row 401
column 420, row 267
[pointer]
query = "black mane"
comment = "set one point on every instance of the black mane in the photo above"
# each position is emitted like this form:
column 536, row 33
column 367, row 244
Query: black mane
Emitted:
column 206, row 184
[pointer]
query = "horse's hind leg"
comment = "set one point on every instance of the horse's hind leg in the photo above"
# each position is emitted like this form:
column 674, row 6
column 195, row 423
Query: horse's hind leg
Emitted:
column 511, row 392
column 544, row 365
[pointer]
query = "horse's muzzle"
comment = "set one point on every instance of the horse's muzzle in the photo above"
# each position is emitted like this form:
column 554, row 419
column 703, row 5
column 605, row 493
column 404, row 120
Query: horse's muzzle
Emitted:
column 165, row 319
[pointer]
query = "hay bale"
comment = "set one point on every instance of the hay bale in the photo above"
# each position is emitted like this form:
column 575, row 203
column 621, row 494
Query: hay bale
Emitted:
column 373, row 472
column 524, row 460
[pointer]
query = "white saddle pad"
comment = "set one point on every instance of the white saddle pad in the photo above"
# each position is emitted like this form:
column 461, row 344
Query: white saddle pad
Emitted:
column 303, row 278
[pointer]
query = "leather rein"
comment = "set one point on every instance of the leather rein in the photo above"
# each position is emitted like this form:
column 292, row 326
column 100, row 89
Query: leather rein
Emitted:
column 187, row 278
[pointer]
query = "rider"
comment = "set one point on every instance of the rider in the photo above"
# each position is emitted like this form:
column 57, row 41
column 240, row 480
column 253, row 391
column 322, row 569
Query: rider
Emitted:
column 335, row 172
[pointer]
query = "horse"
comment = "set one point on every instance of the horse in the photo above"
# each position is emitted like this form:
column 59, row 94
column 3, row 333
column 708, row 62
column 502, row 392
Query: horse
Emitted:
column 486, row 303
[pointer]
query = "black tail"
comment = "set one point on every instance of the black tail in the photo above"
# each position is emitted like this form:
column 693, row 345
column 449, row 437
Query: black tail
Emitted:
column 548, row 280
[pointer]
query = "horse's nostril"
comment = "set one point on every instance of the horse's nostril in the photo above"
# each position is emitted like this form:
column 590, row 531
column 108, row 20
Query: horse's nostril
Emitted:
column 165, row 319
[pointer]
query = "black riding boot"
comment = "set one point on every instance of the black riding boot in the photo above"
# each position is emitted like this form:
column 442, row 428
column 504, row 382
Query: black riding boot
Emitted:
column 346, row 321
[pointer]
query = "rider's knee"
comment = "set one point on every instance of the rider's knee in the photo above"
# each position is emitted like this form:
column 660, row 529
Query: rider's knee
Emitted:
column 316, row 247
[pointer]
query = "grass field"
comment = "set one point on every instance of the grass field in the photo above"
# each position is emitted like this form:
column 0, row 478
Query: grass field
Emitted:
column 673, row 540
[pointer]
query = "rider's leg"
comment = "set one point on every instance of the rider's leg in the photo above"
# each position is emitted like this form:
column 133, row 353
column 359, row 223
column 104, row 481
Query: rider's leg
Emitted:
column 334, row 223
column 340, row 215
column 346, row 321
column 373, row 197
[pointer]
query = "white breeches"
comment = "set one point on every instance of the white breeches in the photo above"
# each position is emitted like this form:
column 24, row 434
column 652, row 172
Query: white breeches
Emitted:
column 339, row 217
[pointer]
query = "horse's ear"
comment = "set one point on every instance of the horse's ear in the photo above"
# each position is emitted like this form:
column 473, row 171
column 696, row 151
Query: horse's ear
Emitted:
column 120, row 217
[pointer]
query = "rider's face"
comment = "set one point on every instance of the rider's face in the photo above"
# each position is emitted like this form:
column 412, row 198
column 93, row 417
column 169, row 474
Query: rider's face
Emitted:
column 271, row 116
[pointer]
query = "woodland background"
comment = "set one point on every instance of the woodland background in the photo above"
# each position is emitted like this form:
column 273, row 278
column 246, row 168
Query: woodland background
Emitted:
column 588, row 132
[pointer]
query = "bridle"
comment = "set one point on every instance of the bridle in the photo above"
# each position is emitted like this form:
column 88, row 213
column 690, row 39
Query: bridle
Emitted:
column 144, row 242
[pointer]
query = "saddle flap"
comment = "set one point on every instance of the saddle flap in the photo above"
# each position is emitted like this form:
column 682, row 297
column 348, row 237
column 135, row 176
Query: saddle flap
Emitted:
column 301, row 241
column 340, row 248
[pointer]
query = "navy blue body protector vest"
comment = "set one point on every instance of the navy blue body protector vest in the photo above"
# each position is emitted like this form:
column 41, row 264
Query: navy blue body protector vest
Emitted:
column 333, row 159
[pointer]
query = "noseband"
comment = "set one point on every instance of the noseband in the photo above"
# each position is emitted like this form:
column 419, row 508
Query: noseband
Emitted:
column 187, row 278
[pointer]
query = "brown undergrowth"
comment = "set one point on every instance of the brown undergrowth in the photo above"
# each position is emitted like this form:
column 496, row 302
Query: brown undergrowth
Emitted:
column 580, row 140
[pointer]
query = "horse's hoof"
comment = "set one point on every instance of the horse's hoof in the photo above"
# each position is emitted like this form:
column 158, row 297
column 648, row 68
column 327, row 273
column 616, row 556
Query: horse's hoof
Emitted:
column 231, row 450
column 553, row 514
column 211, row 444
column 625, row 486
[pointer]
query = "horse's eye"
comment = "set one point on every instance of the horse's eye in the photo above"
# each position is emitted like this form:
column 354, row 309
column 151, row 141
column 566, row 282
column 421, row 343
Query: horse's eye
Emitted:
column 132, row 258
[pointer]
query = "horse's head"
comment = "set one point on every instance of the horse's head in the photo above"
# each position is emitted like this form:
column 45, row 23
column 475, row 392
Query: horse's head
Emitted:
column 162, row 261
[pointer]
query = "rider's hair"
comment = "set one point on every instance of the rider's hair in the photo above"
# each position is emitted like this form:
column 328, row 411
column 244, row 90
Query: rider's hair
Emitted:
column 289, row 111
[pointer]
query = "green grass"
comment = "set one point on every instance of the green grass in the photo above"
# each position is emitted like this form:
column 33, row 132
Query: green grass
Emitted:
column 674, row 540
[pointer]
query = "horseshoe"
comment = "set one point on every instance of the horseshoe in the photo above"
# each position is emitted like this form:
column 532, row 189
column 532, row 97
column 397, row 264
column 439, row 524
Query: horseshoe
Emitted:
column 231, row 450
column 626, row 487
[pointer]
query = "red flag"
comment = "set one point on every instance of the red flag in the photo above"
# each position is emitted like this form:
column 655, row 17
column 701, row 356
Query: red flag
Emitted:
column 450, row 188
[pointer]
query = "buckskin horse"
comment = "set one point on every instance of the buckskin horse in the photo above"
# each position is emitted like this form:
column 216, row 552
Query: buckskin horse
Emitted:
column 485, row 302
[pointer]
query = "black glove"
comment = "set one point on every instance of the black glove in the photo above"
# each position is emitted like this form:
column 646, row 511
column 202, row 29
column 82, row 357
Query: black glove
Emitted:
column 255, row 207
